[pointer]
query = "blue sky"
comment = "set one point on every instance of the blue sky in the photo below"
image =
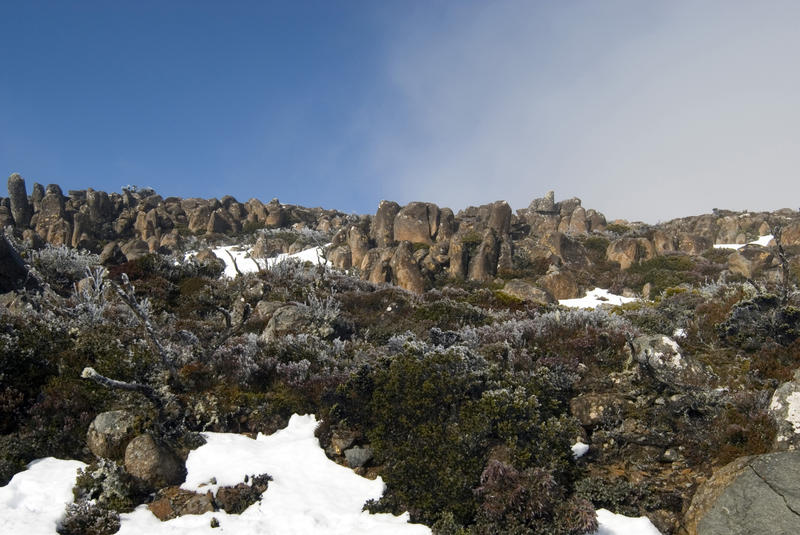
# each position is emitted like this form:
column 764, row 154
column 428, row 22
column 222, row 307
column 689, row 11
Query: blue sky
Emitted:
column 645, row 110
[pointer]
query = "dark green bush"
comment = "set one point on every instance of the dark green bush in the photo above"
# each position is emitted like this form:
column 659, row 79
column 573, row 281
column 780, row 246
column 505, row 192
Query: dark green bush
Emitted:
column 433, row 419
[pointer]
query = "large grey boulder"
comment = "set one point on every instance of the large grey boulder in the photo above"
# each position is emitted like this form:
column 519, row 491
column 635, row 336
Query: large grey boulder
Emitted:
column 109, row 434
column 757, row 495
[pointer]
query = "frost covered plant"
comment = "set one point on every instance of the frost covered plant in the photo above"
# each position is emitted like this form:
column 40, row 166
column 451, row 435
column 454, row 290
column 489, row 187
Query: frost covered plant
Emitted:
column 293, row 373
column 91, row 303
column 61, row 266
column 323, row 310
column 87, row 517
column 407, row 342
column 238, row 359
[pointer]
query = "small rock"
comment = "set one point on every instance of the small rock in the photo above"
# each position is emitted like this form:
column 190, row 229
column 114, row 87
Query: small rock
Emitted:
column 173, row 502
column 358, row 456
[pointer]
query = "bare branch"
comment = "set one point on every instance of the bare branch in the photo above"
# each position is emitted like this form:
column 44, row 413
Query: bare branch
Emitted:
column 146, row 390
column 230, row 329
column 235, row 265
column 126, row 293
column 776, row 229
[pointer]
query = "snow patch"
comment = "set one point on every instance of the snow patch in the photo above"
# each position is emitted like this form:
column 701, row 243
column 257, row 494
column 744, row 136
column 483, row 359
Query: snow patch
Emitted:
column 595, row 298
column 309, row 493
column 613, row 524
column 579, row 449
column 762, row 241
column 33, row 502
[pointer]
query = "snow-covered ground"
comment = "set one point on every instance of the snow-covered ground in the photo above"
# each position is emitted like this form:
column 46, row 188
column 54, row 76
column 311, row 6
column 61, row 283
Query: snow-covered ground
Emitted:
column 33, row 502
column 247, row 264
column 762, row 240
column 595, row 298
column 309, row 493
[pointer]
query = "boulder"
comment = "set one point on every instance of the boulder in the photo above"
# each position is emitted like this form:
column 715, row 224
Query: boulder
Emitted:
column 375, row 265
column 99, row 206
column 693, row 244
column 447, row 225
column 112, row 254
column 458, row 258
column 595, row 220
column 60, row 233
column 51, row 210
column 567, row 206
column 153, row 463
column 199, row 215
column 341, row 257
column 790, row 234
column 81, row 231
column 663, row 242
column 500, row 218
column 750, row 496
column 359, row 244
column 629, row 251
column 527, row 292
column 405, row 269
column 416, row 222
column 750, row 260
column 6, row 219
column 546, row 204
column 288, row 319
column 135, row 249
column 661, row 357
column 560, row 284
column 37, row 194
column 21, row 209
column 483, row 265
column 569, row 250
column 265, row 309
column 276, row 214
column 382, row 229
column 219, row 222
column 342, row 440
column 109, row 434
column 256, row 211
column 577, row 221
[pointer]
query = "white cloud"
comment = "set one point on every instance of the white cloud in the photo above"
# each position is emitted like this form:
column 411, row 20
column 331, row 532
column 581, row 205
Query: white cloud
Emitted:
column 644, row 111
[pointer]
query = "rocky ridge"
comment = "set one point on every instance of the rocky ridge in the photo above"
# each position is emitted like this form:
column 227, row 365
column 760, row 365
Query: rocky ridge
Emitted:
column 556, row 248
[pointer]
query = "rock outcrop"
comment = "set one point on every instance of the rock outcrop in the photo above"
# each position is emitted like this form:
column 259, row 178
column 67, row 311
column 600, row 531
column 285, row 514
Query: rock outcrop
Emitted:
column 750, row 496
